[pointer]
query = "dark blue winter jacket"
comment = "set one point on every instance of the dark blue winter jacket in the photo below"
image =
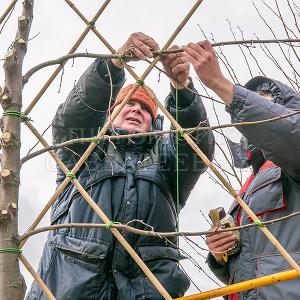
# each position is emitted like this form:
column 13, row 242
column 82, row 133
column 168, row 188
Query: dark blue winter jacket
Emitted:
column 130, row 181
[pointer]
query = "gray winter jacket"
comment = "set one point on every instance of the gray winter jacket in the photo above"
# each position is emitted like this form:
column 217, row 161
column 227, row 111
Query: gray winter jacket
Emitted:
column 274, row 192
column 129, row 180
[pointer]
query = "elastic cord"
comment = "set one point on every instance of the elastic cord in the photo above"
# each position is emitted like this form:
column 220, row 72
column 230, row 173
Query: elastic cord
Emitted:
column 18, row 114
column 10, row 250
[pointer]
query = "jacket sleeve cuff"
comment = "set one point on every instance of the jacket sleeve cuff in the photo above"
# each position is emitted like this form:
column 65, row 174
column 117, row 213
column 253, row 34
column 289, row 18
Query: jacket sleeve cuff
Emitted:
column 109, row 72
column 220, row 271
column 212, row 263
column 239, row 97
column 185, row 96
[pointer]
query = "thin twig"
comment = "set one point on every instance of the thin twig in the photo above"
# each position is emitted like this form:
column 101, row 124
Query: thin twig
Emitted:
column 143, row 134
column 164, row 52
column 151, row 232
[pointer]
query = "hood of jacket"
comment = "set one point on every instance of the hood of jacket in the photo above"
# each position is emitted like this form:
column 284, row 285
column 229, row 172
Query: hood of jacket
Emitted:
column 283, row 95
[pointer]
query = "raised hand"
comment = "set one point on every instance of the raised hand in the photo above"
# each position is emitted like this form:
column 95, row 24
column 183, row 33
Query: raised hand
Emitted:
column 139, row 46
column 205, row 62
column 177, row 67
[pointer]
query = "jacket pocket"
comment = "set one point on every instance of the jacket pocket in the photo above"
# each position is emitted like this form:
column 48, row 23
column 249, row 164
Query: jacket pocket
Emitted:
column 266, row 265
column 83, row 249
column 163, row 262
column 265, row 196
column 77, row 270
column 154, row 252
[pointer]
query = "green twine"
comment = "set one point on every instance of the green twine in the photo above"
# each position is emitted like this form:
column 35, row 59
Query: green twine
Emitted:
column 110, row 223
column 92, row 24
column 259, row 223
column 158, row 53
column 71, row 175
column 140, row 81
column 18, row 114
column 177, row 166
column 10, row 250
column 120, row 59
column 181, row 131
column 95, row 140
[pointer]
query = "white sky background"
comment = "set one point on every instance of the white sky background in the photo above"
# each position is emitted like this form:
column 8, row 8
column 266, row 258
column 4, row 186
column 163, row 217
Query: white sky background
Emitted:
column 58, row 27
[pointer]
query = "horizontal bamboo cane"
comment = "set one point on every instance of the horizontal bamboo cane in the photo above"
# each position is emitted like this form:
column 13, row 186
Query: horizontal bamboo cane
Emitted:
column 245, row 285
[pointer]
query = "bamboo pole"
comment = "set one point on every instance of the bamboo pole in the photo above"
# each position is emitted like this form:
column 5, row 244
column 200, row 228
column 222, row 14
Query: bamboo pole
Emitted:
column 232, row 191
column 40, row 216
column 101, row 38
column 72, row 50
column 37, row 278
column 85, row 20
column 245, row 285
column 7, row 11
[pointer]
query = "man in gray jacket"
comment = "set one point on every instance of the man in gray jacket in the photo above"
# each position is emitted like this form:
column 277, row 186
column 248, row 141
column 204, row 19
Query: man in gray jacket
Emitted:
column 272, row 191
column 132, row 180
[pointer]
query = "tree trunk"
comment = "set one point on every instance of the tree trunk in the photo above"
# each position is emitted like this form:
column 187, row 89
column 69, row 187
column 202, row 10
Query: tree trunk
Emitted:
column 12, row 284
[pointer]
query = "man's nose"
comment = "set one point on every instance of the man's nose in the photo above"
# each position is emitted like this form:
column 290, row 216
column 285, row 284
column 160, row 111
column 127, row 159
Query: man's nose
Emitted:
column 137, row 107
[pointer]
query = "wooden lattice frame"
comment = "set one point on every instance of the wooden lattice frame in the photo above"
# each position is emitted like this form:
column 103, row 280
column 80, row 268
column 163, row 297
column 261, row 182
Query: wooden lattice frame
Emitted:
column 115, row 232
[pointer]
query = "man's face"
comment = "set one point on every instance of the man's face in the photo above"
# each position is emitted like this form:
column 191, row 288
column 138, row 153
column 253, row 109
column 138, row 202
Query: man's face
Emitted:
column 134, row 117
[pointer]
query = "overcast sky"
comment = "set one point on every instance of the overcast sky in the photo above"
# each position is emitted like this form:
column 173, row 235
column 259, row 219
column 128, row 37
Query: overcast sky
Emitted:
column 55, row 29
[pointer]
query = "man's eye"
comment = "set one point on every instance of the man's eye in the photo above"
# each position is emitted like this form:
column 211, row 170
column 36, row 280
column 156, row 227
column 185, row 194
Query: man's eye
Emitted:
column 130, row 103
column 146, row 108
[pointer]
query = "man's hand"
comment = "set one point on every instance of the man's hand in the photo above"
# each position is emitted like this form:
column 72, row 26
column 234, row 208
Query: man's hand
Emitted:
column 220, row 242
column 177, row 67
column 205, row 62
column 139, row 46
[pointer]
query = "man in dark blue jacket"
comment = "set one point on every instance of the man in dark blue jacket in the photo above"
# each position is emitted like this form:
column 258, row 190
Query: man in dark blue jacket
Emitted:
column 130, row 180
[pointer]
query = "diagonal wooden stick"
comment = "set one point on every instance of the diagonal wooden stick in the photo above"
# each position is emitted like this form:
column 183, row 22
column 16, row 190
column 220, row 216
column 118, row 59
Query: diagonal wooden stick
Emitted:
column 72, row 50
column 37, row 278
